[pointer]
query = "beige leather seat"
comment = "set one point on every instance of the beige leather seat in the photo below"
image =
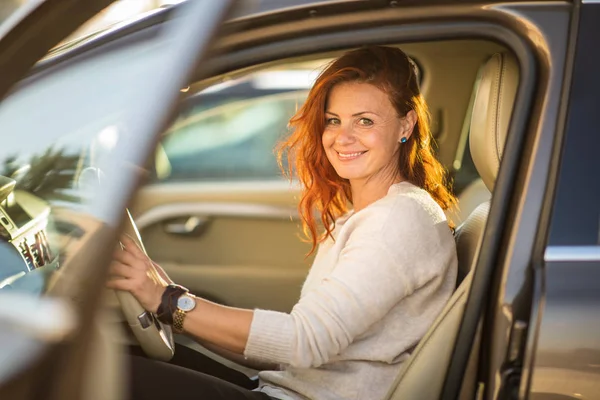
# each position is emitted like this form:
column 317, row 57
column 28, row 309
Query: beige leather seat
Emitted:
column 424, row 372
column 469, row 199
column 475, row 192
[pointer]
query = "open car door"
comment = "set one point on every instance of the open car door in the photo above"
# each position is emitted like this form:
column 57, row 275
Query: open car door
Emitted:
column 61, row 231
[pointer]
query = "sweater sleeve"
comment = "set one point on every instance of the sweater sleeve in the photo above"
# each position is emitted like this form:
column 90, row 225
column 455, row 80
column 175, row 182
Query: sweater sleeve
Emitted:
column 370, row 277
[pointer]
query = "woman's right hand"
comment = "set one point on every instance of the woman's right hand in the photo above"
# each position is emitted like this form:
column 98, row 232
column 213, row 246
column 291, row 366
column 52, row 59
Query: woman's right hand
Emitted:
column 132, row 271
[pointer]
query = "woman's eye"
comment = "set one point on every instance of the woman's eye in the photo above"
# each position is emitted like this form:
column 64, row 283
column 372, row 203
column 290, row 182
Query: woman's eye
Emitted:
column 365, row 122
column 332, row 121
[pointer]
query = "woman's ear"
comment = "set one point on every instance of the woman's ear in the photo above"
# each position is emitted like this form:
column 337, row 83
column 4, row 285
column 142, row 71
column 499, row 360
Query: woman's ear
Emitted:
column 407, row 125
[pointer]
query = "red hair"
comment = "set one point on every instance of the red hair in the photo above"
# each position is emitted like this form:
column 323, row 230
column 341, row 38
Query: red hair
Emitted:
column 390, row 70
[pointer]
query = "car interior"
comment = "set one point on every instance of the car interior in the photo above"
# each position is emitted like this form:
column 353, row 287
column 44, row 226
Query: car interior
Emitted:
column 201, row 224
column 204, row 231
column 217, row 215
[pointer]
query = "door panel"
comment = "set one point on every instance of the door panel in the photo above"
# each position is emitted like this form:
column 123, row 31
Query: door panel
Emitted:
column 219, row 217
column 564, row 344
column 244, row 248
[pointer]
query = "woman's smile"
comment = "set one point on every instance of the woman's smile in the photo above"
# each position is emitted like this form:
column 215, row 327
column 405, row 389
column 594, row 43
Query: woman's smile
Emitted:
column 362, row 133
column 350, row 156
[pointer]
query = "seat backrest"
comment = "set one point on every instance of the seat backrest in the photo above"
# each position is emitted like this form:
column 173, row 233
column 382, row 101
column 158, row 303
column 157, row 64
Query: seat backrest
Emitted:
column 469, row 199
column 475, row 193
column 423, row 374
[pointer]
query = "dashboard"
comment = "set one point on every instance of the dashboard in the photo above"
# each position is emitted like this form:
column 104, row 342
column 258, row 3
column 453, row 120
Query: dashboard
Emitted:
column 24, row 244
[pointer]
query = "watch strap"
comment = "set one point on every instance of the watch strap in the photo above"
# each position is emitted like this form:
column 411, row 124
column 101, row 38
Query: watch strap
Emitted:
column 178, row 319
column 168, row 303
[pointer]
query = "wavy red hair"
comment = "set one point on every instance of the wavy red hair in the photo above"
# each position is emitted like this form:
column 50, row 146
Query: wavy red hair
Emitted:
column 390, row 70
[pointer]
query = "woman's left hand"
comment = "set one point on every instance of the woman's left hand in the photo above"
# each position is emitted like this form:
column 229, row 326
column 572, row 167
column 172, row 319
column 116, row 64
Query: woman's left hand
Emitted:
column 131, row 271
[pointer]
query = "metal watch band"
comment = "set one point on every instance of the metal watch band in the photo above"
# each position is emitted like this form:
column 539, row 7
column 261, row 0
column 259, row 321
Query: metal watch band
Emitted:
column 178, row 319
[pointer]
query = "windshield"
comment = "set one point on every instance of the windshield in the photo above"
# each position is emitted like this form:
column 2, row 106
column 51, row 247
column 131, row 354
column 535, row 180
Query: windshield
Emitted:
column 73, row 137
column 60, row 130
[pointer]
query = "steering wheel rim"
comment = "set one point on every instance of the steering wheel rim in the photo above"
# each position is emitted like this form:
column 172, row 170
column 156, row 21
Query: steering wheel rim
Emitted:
column 155, row 338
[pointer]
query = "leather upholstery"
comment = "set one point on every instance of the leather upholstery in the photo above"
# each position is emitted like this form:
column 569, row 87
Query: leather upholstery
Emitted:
column 424, row 372
column 468, row 236
column 491, row 114
column 468, row 200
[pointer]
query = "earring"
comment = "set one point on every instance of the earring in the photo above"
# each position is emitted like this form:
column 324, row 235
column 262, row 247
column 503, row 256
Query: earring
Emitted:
column 403, row 140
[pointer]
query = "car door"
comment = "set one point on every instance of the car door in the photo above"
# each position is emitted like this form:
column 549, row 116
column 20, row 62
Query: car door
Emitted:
column 72, row 163
column 539, row 331
column 564, row 362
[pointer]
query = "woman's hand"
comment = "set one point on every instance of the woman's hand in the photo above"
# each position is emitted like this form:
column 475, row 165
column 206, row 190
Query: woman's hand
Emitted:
column 226, row 327
column 131, row 270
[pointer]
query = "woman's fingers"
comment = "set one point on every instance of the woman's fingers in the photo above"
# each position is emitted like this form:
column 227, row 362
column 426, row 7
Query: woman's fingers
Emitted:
column 131, row 271
column 127, row 258
column 132, row 247
column 119, row 284
column 124, row 277
column 123, row 270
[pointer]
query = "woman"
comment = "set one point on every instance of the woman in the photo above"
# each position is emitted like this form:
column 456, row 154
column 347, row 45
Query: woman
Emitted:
column 383, row 271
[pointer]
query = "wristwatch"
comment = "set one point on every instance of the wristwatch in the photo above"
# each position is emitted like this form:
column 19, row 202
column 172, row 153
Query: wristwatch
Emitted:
column 185, row 304
column 168, row 303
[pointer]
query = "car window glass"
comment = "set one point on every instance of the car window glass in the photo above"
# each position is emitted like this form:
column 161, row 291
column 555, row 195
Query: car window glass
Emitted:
column 58, row 133
column 229, row 131
column 576, row 210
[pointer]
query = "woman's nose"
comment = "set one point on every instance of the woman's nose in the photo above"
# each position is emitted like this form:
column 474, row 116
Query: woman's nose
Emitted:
column 345, row 135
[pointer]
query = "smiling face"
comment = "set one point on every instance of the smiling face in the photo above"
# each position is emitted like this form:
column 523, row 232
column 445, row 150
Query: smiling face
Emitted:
column 363, row 132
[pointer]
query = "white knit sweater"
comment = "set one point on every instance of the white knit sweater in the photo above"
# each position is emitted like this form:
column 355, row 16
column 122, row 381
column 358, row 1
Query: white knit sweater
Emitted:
column 369, row 297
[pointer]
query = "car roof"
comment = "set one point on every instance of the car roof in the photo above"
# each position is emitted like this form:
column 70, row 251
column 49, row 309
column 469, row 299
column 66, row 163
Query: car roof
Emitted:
column 247, row 9
column 247, row 15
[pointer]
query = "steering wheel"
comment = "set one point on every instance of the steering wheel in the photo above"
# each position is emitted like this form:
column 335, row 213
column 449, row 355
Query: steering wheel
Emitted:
column 155, row 338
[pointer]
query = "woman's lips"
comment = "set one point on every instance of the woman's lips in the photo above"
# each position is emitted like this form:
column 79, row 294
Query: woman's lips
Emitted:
column 349, row 156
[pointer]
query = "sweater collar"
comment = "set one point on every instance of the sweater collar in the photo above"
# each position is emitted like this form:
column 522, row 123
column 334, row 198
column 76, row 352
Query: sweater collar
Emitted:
column 400, row 187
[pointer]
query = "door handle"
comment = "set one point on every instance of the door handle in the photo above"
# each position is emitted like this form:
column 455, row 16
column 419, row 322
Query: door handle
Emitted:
column 191, row 226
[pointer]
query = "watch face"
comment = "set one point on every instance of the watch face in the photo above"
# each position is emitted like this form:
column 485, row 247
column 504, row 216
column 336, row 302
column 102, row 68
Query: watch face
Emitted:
column 186, row 303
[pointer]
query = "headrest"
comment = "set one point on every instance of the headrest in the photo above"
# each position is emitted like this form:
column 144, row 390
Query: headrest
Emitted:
column 492, row 108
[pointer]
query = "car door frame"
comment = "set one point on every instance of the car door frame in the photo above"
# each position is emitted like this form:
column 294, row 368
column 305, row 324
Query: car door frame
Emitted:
column 508, row 254
column 567, row 265
column 35, row 28
column 33, row 32
column 25, row 37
